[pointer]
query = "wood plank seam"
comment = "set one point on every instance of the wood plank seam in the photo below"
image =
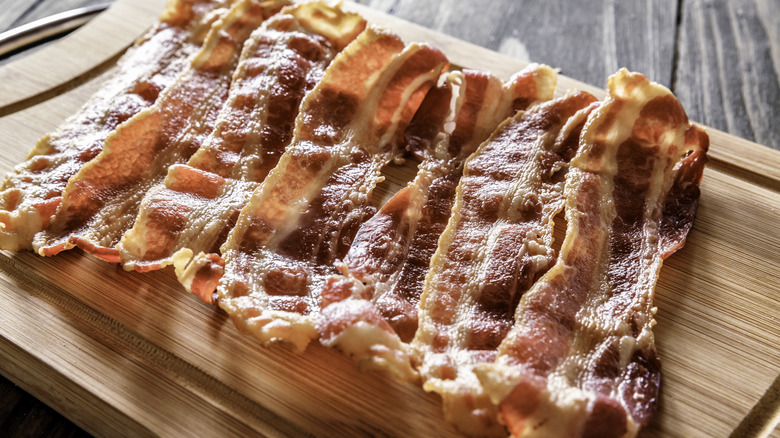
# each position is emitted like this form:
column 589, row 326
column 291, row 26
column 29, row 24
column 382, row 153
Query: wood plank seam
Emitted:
column 21, row 18
column 676, row 51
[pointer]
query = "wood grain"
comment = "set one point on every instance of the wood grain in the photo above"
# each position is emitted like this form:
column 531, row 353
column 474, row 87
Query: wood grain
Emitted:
column 132, row 354
column 727, row 72
column 59, row 67
column 720, row 57
column 586, row 40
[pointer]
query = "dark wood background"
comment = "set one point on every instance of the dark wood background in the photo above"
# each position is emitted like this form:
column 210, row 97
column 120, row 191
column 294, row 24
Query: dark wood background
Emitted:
column 721, row 58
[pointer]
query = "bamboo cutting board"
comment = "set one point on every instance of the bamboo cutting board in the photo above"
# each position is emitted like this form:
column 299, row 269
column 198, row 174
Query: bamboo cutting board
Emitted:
column 123, row 353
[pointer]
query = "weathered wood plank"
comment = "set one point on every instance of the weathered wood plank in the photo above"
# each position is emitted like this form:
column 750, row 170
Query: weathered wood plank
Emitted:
column 587, row 40
column 13, row 12
column 728, row 64
column 725, row 69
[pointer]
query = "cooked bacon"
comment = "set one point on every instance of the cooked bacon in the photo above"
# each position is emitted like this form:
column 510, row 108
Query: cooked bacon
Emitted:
column 306, row 212
column 101, row 201
column 31, row 194
column 497, row 242
column 580, row 359
column 384, row 271
column 198, row 203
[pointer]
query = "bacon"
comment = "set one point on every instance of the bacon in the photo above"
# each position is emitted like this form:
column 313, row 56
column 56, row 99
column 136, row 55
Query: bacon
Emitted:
column 306, row 212
column 384, row 271
column 580, row 359
column 198, row 203
column 101, row 201
column 497, row 242
column 32, row 192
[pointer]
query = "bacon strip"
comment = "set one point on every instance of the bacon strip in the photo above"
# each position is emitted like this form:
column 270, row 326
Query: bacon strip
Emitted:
column 497, row 242
column 384, row 271
column 101, row 201
column 198, row 203
column 580, row 359
column 306, row 212
column 32, row 192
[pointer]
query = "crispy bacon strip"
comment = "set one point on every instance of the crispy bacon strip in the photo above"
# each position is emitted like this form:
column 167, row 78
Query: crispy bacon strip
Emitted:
column 198, row 203
column 580, row 360
column 306, row 212
column 384, row 271
column 32, row 192
column 497, row 242
column 101, row 201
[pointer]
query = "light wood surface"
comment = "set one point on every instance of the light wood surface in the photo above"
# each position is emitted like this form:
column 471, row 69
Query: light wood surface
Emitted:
column 133, row 354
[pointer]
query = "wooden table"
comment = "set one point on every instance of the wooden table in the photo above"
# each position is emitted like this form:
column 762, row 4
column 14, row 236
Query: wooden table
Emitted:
column 721, row 58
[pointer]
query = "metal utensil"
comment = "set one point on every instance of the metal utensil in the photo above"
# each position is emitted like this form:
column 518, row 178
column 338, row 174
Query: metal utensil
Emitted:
column 38, row 30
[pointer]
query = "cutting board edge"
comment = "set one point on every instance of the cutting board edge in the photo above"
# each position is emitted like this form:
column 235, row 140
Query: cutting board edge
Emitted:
column 103, row 406
column 60, row 70
column 763, row 157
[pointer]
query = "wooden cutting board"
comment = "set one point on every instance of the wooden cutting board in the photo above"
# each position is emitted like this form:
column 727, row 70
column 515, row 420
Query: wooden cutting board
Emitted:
column 123, row 353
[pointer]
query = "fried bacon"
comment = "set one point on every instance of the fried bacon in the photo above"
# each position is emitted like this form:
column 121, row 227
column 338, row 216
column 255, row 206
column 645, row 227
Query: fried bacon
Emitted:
column 497, row 242
column 101, row 201
column 250, row 168
column 304, row 215
column 384, row 271
column 32, row 192
column 580, row 359
column 198, row 203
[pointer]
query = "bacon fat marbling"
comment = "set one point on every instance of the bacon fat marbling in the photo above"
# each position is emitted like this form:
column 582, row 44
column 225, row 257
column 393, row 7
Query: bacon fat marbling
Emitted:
column 101, row 201
column 32, row 193
column 497, row 242
column 242, row 146
column 580, row 359
column 388, row 261
column 194, row 209
column 306, row 212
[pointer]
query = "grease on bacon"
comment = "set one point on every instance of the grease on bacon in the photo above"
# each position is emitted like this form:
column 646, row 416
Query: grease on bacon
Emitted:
column 195, row 207
column 370, row 311
column 497, row 242
column 306, row 212
column 101, row 201
column 31, row 194
column 580, row 359
column 454, row 278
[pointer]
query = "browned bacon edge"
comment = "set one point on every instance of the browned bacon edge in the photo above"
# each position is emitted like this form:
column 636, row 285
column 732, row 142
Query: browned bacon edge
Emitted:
column 306, row 212
column 101, row 201
column 194, row 209
column 32, row 192
column 497, row 242
column 580, row 360
column 370, row 311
